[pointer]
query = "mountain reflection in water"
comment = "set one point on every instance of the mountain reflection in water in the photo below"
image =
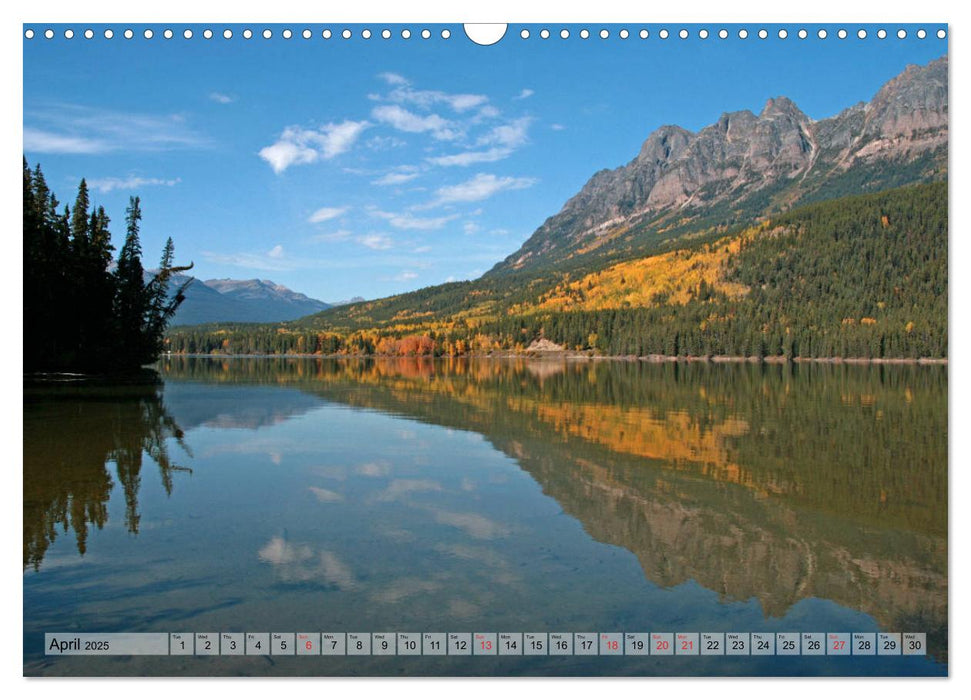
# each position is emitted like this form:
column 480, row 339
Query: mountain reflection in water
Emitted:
column 774, row 483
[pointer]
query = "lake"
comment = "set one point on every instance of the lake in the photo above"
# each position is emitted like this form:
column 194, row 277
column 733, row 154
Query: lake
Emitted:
column 420, row 495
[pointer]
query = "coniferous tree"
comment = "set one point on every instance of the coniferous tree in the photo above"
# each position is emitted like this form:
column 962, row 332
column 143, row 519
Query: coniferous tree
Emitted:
column 131, row 300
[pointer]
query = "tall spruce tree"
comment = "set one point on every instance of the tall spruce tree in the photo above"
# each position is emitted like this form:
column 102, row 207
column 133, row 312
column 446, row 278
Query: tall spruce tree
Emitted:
column 131, row 300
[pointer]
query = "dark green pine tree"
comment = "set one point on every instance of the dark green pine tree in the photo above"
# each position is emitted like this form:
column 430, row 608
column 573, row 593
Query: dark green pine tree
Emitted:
column 80, row 314
column 131, row 298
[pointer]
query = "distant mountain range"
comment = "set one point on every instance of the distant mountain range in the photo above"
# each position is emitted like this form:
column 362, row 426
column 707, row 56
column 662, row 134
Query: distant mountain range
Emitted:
column 745, row 166
column 227, row 300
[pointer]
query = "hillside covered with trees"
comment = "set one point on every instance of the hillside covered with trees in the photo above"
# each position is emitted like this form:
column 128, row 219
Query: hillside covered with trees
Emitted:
column 857, row 277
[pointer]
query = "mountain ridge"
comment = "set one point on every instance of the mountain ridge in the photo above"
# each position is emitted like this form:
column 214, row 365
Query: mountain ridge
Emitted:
column 240, row 301
column 735, row 162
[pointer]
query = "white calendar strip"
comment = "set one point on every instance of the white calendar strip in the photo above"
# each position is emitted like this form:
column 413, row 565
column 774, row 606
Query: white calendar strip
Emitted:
column 488, row 644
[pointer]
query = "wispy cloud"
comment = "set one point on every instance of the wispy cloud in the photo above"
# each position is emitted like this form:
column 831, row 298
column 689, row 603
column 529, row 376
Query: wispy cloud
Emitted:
column 341, row 235
column 404, row 120
column 221, row 97
column 272, row 260
column 502, row 140
column 77, row 129
column 510, row 135
column 471, row 157
column 300, row 146
column 487, row 112
column 326, row 214
column 478, row 188
column 557, row 127
column 376, row 241
column 403, row 93
column 409, row 221
column 393, row 78
column 391, row 179
column 524, row 93
column 385, row 143
column 39, row 141
column 132, row 182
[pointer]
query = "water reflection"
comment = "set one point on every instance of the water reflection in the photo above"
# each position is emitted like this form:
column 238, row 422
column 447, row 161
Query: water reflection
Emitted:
column 769, row 482
column 76, row 436
column 783, row 485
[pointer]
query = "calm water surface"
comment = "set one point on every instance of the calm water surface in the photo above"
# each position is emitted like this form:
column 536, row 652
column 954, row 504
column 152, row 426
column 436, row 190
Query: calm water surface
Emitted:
column 415, row 495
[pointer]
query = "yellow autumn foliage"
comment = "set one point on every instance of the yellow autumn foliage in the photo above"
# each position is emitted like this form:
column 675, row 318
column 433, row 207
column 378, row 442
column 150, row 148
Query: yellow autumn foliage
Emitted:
column 668, row 278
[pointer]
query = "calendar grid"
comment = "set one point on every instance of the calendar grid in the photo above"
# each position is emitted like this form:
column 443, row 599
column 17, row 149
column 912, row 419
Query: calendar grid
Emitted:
column 509, row 644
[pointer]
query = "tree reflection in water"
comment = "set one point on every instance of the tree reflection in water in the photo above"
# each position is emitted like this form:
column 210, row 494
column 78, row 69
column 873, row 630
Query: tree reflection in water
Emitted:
column 74, row 432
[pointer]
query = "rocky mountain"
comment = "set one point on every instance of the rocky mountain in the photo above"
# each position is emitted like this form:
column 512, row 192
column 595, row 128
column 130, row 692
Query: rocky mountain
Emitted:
column 227, row 300
column 745, row 166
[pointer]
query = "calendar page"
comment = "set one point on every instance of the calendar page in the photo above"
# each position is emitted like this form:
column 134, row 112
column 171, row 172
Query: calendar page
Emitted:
column 545, row 349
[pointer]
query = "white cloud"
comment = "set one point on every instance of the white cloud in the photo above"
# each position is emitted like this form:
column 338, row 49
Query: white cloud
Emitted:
column 326, row 214
column 394, row 179
column 39, row 141
column 461, row 103
column 385, row 143
column 376, row 241
column 273, row 260
column 299, row 146
column 526, row 92
column 409, row 221
column 471, row 157
column 403, row 120
column 471, row 227
column 76, row 129
column 504, row 139
column 393, row 78
column 132, row 182
column 341, row 235
column 426, row 99
column 289, row 150
column 510, row 135
column 557, row 127
column 221, row 98
column 480, row 187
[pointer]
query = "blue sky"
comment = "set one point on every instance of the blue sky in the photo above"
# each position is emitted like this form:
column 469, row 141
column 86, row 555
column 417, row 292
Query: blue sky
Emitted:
column 370, row 166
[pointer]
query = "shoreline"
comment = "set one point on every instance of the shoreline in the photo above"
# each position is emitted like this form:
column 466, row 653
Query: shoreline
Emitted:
column 565, row 355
